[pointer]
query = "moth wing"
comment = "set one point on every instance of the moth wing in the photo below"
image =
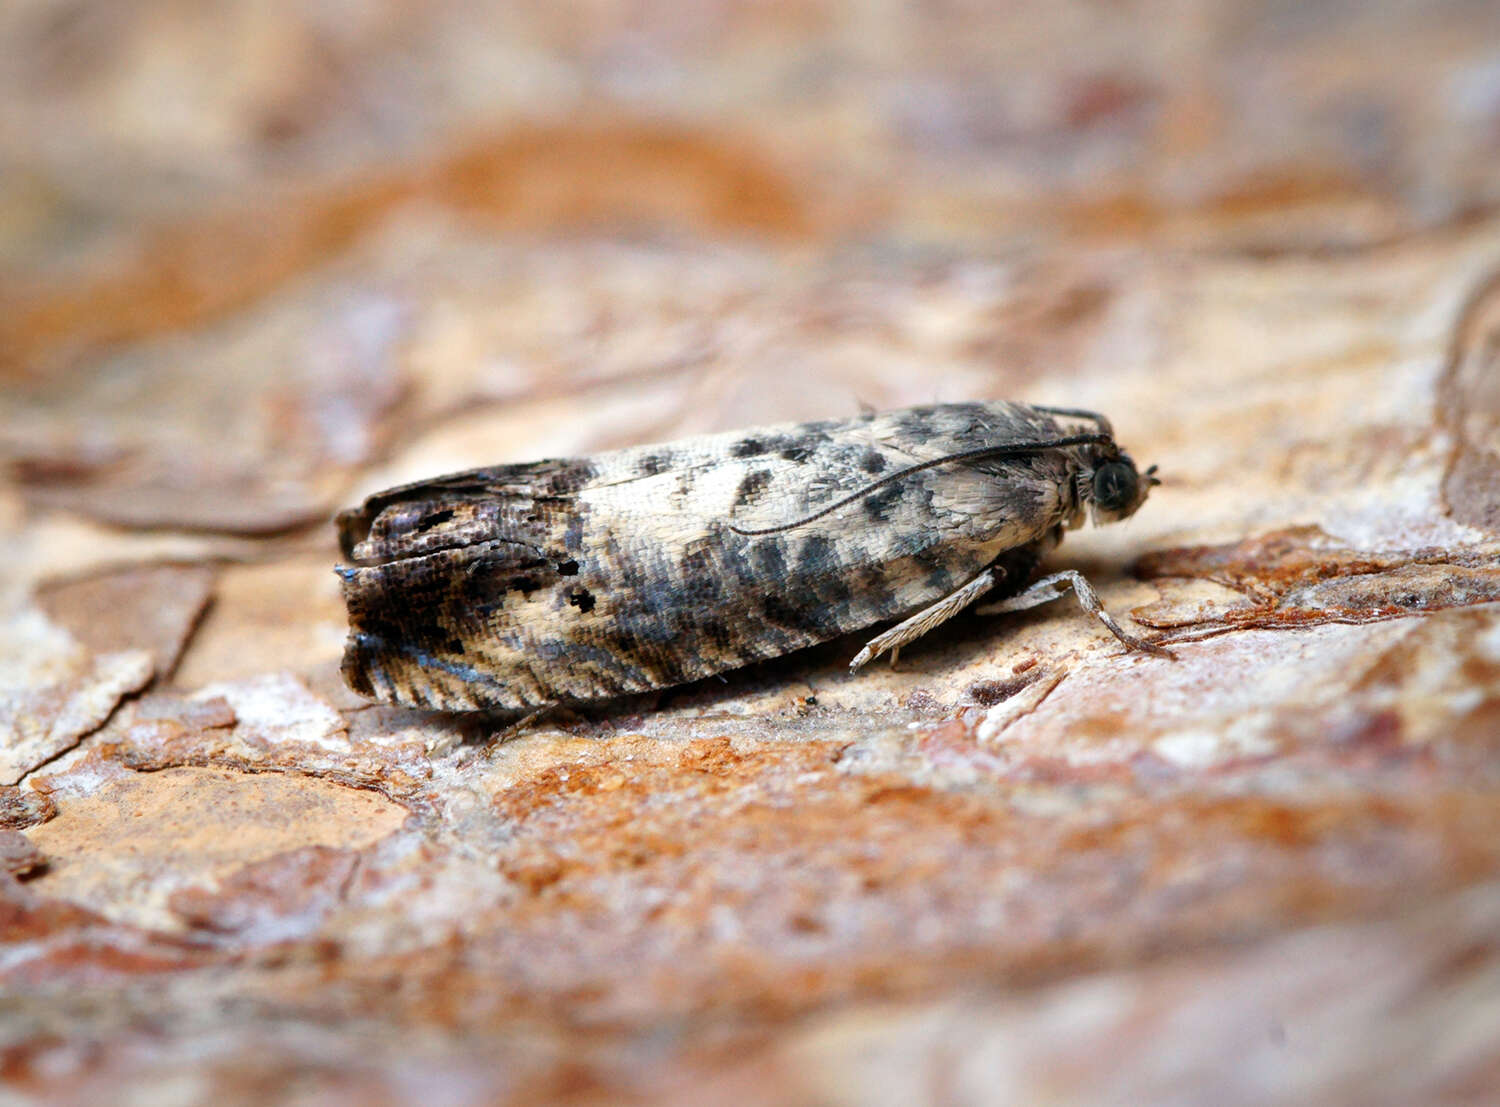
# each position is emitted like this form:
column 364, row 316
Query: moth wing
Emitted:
column 579, row 579
column 458, row 509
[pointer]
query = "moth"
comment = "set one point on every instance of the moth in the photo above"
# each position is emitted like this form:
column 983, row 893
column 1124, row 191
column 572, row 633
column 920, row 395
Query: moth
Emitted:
column 561, row 581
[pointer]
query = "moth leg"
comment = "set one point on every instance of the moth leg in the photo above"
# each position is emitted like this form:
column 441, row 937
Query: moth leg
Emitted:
column 1052, row 587
column 924, row 620
column 505, row 734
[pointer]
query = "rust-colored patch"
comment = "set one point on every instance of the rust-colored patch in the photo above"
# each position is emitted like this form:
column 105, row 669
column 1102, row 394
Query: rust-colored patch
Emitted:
column 23, row 807
column 1300, row 576
column 1284, row 193
column 1123, row 214
column 1281, row 189
column 1266, row 566
column 48, row 940
column 592, row 812
column 819, row 878
column 180, row 276
column 613, row 174
column 531, row 177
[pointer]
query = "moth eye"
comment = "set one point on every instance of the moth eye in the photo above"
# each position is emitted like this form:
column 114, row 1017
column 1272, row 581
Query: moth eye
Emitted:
column 1115, row 485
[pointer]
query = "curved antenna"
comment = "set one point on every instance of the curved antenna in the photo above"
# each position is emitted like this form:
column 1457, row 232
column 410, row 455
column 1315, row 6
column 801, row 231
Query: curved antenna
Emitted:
column 1079, row 413
column 1015, row 449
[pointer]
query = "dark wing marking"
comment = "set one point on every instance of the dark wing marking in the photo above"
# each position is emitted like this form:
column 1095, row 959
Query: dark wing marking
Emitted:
column 500, row 502
column 437, row 563
column 1018, row 449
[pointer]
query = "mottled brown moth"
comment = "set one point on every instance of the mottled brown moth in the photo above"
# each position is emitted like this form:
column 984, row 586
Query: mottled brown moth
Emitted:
column 560, row 581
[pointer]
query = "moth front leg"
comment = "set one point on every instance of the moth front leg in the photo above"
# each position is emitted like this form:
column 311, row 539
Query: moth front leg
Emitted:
column 919, row 624
column 1052, row 587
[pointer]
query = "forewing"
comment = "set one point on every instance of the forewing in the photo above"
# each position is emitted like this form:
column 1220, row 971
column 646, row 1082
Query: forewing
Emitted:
column 575, row 580
column 436, row 563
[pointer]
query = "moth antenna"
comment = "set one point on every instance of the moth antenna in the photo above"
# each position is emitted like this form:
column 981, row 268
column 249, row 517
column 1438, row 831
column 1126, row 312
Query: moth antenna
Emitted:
column 1079, row 413
column 1015, row 449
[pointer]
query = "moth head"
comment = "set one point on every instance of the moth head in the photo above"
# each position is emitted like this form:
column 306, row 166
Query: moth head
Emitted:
column 1113, row 489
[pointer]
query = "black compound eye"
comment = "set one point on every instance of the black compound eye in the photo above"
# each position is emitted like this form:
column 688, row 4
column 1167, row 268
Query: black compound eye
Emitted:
column 1115, row 485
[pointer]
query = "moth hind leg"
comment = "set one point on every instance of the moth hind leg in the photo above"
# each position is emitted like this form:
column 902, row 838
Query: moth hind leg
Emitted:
column 521, row 725
column 1052, row 587
column 912, row 628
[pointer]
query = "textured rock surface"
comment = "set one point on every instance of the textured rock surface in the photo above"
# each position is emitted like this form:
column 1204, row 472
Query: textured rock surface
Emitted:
column 366, row 248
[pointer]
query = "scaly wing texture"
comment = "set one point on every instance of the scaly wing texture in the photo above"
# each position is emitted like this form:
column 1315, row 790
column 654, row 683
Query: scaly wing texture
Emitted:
column 582, row 579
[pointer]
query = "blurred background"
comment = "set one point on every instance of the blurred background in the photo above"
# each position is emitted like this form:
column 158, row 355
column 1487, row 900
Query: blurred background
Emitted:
column 260, row 258
column 330, row 224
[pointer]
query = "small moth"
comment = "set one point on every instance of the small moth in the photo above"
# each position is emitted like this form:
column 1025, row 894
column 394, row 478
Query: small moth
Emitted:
column 521, row 586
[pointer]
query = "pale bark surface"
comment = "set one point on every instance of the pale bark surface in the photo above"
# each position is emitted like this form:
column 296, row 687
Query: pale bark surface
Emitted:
column 251, row 277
